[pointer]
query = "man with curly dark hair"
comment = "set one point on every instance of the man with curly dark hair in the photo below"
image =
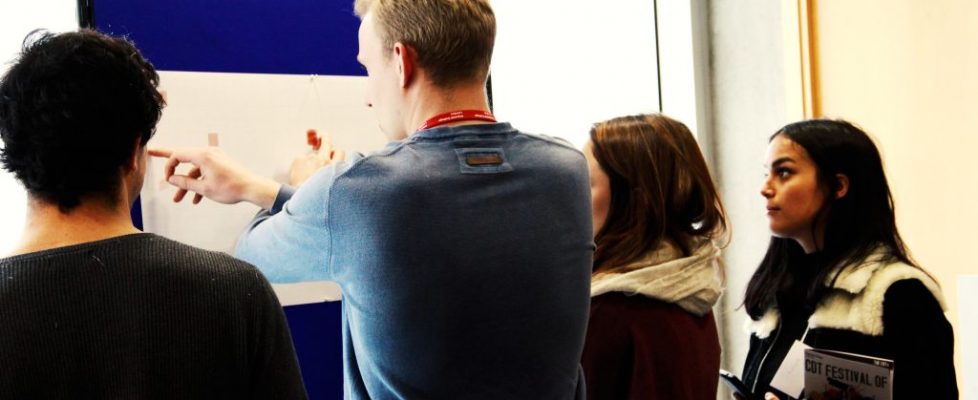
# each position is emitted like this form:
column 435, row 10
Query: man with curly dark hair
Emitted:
column 90, row 306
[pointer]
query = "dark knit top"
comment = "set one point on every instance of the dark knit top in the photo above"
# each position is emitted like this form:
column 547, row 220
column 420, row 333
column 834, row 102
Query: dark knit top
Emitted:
column 141, row 317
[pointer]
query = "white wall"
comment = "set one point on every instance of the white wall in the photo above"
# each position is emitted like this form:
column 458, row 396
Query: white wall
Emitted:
column 684, row 59
column 561, row 66
column 17, row 19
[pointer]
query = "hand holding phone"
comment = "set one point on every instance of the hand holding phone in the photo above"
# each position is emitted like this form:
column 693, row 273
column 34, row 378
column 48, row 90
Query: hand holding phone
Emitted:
column 737, row 386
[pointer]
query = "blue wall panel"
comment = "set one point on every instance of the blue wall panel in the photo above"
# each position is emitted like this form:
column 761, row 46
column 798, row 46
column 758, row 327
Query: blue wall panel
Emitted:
column 276, row 37
column 319, row 345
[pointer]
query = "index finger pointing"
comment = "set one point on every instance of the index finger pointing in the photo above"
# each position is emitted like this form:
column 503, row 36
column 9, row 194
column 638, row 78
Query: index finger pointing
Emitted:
column 194, row 155
column 160, row 152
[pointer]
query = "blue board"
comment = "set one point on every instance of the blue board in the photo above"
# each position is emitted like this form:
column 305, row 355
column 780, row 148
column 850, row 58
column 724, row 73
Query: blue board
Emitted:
column 319, row 344
column 270, row 37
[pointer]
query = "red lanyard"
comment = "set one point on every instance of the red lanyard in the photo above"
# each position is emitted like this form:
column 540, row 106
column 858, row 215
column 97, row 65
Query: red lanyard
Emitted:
column 457, row 116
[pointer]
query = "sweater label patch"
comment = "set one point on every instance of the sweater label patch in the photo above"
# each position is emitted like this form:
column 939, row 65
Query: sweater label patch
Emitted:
column 476, row 160
column 481, row 160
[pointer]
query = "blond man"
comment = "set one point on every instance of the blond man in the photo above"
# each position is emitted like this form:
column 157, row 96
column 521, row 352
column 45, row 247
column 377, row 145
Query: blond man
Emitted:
column 463, row 248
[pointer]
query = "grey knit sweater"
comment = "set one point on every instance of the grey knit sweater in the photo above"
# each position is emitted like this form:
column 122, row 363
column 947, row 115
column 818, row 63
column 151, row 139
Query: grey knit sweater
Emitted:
column 141, row 317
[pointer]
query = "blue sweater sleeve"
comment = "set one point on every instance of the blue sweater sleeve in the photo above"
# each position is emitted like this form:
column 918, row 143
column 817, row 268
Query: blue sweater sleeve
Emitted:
column 291, row 242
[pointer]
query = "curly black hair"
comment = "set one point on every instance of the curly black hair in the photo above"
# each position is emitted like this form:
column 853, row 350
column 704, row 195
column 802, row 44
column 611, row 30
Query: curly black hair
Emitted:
column 72, row 108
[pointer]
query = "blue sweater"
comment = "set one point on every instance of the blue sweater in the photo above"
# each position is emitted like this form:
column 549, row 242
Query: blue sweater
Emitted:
column 464, row 256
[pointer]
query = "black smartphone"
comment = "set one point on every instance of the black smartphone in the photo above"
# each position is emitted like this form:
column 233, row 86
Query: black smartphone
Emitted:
column 736, row 385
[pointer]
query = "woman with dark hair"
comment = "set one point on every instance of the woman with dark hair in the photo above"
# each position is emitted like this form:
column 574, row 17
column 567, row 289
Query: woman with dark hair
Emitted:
column 837, row 275
column 657, row 271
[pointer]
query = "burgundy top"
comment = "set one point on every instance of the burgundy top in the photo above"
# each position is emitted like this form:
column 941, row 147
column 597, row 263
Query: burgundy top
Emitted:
column 642, row 348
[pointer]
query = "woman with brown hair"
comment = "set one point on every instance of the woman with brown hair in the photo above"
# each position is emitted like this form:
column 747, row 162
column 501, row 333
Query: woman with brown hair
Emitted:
column 657, row 270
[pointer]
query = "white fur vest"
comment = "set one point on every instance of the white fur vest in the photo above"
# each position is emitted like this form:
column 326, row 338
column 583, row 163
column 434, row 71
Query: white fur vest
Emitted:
column 855, row 302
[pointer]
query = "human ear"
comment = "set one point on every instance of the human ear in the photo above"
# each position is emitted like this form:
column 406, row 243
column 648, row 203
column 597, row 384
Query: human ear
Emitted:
column 136, row 156
column 841, row 186
column 405, row 63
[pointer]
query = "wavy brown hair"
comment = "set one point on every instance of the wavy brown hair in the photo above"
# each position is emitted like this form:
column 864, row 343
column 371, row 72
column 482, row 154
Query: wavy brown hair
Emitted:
column 661, row 189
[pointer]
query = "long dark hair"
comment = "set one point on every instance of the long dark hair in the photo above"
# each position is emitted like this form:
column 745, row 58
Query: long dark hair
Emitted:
column 661, row 189
column 856, row 225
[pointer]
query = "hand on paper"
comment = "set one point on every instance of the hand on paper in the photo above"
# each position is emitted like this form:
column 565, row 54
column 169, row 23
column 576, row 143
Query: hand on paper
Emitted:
column 303, row 167
column 216, row 176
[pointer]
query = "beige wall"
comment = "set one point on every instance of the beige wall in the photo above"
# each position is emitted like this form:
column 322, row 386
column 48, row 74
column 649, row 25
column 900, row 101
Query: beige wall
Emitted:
column 907, row 72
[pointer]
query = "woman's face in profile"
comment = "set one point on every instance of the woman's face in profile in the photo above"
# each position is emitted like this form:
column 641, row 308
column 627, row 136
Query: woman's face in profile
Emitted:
column 791, row 188
column 600, row 190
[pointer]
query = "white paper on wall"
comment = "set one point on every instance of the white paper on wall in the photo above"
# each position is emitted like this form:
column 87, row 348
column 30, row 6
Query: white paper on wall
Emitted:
column 581, row 69
column 260, row 120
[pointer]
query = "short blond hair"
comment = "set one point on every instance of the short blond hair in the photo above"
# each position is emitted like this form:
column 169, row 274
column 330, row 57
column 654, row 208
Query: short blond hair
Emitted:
column 453, row 39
